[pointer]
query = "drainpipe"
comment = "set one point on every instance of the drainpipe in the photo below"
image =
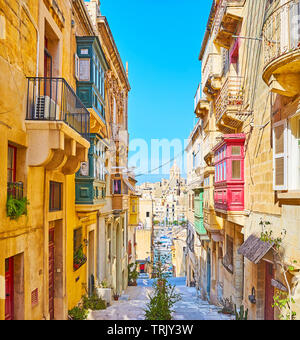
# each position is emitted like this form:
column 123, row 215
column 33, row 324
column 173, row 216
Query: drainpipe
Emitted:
column 26, row 10
column 98, row 248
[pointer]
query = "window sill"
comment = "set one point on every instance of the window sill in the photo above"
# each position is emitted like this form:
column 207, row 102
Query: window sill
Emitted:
column 289, row 198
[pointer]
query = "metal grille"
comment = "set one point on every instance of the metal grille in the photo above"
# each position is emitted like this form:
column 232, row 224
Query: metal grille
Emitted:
column 281, row 31
column 15, row 190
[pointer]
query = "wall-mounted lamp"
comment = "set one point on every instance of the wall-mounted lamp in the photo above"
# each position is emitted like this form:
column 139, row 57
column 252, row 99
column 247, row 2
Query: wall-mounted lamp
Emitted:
column 252, row 297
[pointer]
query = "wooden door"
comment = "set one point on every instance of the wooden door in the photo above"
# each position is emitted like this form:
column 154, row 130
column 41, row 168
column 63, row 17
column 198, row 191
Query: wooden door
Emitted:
column 269, row 292
column 9, row 289
column 208, row 273
column 51, row 273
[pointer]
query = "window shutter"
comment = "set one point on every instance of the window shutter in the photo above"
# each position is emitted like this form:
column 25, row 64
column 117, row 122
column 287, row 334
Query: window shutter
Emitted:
column 76, row 67
column 280, row 155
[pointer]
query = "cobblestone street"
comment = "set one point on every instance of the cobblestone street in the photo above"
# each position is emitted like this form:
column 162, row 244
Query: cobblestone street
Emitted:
column 136, row 298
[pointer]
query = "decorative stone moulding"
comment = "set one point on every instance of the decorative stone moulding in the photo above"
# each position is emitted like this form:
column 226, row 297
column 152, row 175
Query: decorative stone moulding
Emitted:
column 56, row 12
column 55, row 146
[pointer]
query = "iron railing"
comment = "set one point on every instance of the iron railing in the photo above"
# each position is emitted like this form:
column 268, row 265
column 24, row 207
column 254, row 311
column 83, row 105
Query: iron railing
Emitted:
column 220, row 12
column 53, row 99
column 231, row 98
column 281, row 31
column 15, row 190
column 200, row 95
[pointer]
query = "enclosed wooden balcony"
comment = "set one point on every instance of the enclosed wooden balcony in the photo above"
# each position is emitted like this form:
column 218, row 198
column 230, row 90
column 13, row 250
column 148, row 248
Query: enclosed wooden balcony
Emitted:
column 229, row 174
column 201, row 106
column 230, row 113
column 281, row 36
column 58, row 126
column 119, row 192
column 229, row 15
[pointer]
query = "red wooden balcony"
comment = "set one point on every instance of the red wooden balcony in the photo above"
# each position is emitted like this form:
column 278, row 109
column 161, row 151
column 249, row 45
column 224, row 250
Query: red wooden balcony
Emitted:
column 229, row 173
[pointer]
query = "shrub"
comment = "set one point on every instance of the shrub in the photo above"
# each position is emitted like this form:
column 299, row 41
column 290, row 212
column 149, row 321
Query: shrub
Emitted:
column 163, row 298
column 78, row 313
column 133, row 274
column 16, row 207
column 93, row 302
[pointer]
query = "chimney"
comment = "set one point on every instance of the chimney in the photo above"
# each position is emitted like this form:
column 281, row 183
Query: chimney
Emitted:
column 93, row 7
column 127, row 68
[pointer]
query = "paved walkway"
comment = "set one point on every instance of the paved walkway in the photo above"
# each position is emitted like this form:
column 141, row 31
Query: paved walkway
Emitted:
column 189, row 308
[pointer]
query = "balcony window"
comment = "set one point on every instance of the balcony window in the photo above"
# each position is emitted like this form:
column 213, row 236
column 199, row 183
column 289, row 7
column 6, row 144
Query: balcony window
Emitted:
column 117, row 187
column 91, row 65
column 236, row 169
column 55, row 199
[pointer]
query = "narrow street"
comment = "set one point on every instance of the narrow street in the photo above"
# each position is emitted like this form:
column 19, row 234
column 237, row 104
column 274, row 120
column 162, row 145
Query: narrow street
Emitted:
column 133, row 303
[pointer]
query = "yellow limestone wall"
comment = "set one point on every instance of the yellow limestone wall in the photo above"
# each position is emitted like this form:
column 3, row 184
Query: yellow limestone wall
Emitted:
column 27, row 238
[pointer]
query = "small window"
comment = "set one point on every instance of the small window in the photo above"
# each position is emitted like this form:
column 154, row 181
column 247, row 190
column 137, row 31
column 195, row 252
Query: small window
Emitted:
column 228, row 258
column 55, row 199
column 147, row 214
column 236, row 169
column 11, row 164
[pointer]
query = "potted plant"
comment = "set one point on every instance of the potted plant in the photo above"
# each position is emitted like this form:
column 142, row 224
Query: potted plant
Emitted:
column 116, row 297
column 133, row 274
column 79, row 259
column 104, row 291
column 15, row 208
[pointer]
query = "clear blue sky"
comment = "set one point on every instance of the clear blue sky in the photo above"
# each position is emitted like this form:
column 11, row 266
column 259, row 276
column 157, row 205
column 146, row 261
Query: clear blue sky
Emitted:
column 161, row 41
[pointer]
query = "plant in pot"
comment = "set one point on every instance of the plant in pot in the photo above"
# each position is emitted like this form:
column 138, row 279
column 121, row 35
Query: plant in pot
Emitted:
column 15, row 208
column 116, row 297
column 162, row 299
column 104, row 291
column 79, row 258
column 133, row 274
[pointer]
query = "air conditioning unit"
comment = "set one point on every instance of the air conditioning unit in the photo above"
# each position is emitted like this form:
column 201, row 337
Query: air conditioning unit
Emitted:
column 46, row 109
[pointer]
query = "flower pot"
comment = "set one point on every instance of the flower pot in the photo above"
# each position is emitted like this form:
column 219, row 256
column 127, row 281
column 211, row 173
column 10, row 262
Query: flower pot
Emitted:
column 132, row 284
column 105, row 294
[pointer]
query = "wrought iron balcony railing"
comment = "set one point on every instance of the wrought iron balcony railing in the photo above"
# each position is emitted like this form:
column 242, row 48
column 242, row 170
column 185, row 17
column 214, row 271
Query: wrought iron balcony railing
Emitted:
column 281, row 31
column 230, row 101
column 198, row 96
column 15, row 190
column 201, row 104
column 228, row 14
column 53, row 99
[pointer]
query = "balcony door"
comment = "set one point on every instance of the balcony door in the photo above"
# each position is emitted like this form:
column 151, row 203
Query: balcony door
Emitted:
column 48, row 67
column 51, row 272
column 269, row 292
